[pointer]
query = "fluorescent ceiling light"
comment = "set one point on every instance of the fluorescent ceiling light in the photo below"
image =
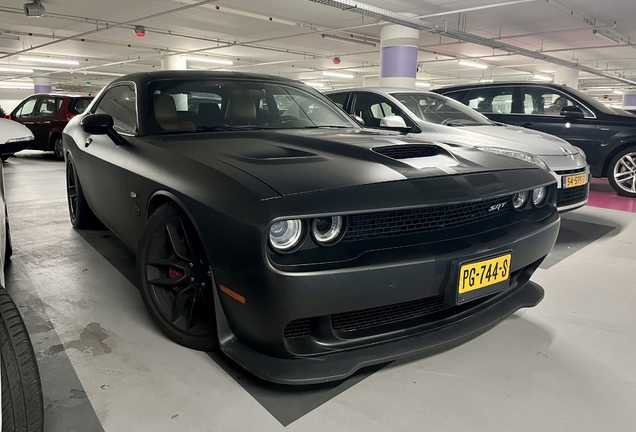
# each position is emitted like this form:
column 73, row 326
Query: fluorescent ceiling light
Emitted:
column 337, row 75
column 473, row 64
column 209, row 60
column 606, row 34
column 16, row 85
column 542, row 77
column 16, row 70
column 9, row 36
column 49, row 60
column 314, row 84
column 347, row 40
column 617, row 92
column 421, row 84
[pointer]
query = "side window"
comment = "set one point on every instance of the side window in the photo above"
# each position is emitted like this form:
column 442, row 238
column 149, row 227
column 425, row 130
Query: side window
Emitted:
column 27, row 108
column 542, row 101
column 492, row 100
column 49, row 106
column 372, row 108
column 339, row 99
column 80, row 105
column 121, row 103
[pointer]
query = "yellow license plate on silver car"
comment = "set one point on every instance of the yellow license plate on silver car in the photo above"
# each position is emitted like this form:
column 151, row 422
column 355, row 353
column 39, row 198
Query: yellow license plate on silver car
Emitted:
column 481, row 274
column 574, row 180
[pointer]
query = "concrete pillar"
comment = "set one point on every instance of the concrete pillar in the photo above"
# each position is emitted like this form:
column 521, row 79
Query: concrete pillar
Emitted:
column 629, row 100
column 567, row 76
column 173, row 62
column 176, row 62
column 398, row 56
column 42, row 84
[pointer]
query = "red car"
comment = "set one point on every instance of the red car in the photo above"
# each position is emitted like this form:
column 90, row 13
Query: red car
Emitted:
column 46, row 115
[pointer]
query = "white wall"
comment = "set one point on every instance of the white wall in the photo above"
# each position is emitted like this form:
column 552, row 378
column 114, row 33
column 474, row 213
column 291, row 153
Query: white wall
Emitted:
column 9, row 99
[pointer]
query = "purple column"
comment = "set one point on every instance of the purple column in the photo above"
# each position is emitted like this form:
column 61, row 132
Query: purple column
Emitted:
column 398, row 56
column 42, row 84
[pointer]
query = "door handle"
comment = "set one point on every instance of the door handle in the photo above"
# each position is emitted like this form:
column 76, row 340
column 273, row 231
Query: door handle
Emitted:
column 88, row 142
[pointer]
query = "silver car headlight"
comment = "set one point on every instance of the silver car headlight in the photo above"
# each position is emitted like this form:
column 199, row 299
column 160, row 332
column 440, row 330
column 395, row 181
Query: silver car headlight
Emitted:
column 286, row 234
column 517, row 155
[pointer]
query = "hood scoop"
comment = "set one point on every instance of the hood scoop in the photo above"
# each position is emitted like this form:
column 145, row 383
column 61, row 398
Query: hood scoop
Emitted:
column 409, row 151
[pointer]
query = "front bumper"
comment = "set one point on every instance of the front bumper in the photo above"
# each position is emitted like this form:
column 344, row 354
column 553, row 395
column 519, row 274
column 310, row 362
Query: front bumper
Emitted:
column 252, row 333
column 337, row 366
column 573, row 198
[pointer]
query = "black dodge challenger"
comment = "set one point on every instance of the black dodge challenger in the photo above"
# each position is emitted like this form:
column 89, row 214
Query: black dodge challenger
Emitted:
column 269, row 225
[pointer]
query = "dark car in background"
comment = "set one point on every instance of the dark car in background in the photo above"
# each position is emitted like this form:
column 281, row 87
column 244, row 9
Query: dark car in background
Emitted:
column 607, row 137
column 269, row 225
column 46, row 115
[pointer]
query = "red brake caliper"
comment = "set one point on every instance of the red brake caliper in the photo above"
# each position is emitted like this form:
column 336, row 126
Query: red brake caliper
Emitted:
column 173, row 272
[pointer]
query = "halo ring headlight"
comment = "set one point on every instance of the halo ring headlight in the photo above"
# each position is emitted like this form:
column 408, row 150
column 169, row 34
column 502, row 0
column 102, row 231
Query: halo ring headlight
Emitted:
column 520, row 199
column 539, row 196
column 286, row 234
column 327, row 230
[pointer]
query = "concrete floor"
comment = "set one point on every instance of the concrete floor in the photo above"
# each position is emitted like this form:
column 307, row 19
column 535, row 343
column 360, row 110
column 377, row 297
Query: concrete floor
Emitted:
column 566, row 365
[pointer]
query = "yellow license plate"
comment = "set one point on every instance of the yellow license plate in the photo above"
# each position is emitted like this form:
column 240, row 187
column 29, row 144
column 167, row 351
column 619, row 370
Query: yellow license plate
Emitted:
column 481, row 274
column 574, row 180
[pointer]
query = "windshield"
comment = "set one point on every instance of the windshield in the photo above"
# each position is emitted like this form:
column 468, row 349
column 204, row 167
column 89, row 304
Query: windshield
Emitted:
column 440, row 110
column 186, row 105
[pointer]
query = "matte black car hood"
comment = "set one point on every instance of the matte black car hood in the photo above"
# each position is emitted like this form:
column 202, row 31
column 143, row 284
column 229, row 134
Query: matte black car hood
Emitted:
column 301, row 161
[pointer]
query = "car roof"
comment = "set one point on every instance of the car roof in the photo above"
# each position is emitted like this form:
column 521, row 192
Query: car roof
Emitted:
column 143, row 78
column 502, row 84
column 63, row 95
column 379, row 90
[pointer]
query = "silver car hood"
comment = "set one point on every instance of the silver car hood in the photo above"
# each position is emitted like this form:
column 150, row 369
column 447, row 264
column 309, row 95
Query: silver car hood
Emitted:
column 509, row 137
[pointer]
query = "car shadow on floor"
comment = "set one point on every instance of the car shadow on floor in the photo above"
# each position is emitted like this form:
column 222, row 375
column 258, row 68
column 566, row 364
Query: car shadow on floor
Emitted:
column 576, row 234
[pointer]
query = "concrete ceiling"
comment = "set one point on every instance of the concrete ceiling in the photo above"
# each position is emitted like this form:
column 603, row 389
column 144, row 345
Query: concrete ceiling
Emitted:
column 283, row 37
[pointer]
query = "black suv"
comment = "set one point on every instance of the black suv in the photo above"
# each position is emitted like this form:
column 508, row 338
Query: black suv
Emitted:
column 607, row 137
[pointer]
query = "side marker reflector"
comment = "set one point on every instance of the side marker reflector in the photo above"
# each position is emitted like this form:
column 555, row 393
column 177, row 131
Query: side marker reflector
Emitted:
column 236, row 296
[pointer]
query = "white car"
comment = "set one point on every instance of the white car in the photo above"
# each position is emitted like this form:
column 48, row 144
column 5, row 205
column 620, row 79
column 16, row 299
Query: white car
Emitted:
column 438, row 118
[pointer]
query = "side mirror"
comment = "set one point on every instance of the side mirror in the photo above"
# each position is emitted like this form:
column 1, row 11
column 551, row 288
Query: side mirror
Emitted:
column 358, row 119
column 97, row 124
column 14, row 132
column 572, row 113
column 393, row 122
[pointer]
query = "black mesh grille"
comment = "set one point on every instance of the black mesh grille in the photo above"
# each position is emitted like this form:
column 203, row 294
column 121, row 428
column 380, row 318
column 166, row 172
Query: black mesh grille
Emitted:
column 390, row 223
column 366, row 318
column 572, row 171
column 298, row 329
column 407, row 151
column 571, row 196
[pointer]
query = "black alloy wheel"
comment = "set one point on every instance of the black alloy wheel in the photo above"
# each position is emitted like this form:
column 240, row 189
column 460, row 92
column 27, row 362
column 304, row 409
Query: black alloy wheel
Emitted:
column 82, row 217
column 177, row 284
column 58, row 148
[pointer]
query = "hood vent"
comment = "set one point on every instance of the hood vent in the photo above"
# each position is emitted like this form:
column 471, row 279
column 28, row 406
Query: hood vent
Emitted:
column 408, row 151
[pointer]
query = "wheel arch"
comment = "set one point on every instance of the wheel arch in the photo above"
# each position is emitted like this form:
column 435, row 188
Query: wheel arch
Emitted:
column 614, row 152
column 53, row 135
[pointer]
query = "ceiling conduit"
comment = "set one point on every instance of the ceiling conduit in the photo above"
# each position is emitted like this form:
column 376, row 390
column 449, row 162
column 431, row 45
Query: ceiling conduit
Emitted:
column 399, row 19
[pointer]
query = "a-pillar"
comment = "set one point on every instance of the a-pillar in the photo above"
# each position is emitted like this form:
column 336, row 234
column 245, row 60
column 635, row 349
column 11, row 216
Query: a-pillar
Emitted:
column 567, row 76
column 398, row 56
column 42, row 84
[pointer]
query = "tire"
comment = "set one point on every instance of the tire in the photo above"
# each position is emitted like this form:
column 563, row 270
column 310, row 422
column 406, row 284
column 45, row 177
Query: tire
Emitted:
column 58, row 147
column 22, row 405
column 621, row 173
column 176, row 279
column 82, row 217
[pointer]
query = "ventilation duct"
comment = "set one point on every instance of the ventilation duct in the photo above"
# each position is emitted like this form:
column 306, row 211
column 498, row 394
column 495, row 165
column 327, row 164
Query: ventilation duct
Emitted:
column 414, row 23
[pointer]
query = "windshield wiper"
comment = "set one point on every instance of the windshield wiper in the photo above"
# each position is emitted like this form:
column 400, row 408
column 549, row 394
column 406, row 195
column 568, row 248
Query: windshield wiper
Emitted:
column 328, row 127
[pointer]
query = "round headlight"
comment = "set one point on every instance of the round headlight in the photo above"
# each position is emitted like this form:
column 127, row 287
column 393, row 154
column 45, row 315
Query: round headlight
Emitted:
column 539, row 196
column 520, row 199
column 285, row 235
column 327, row 229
